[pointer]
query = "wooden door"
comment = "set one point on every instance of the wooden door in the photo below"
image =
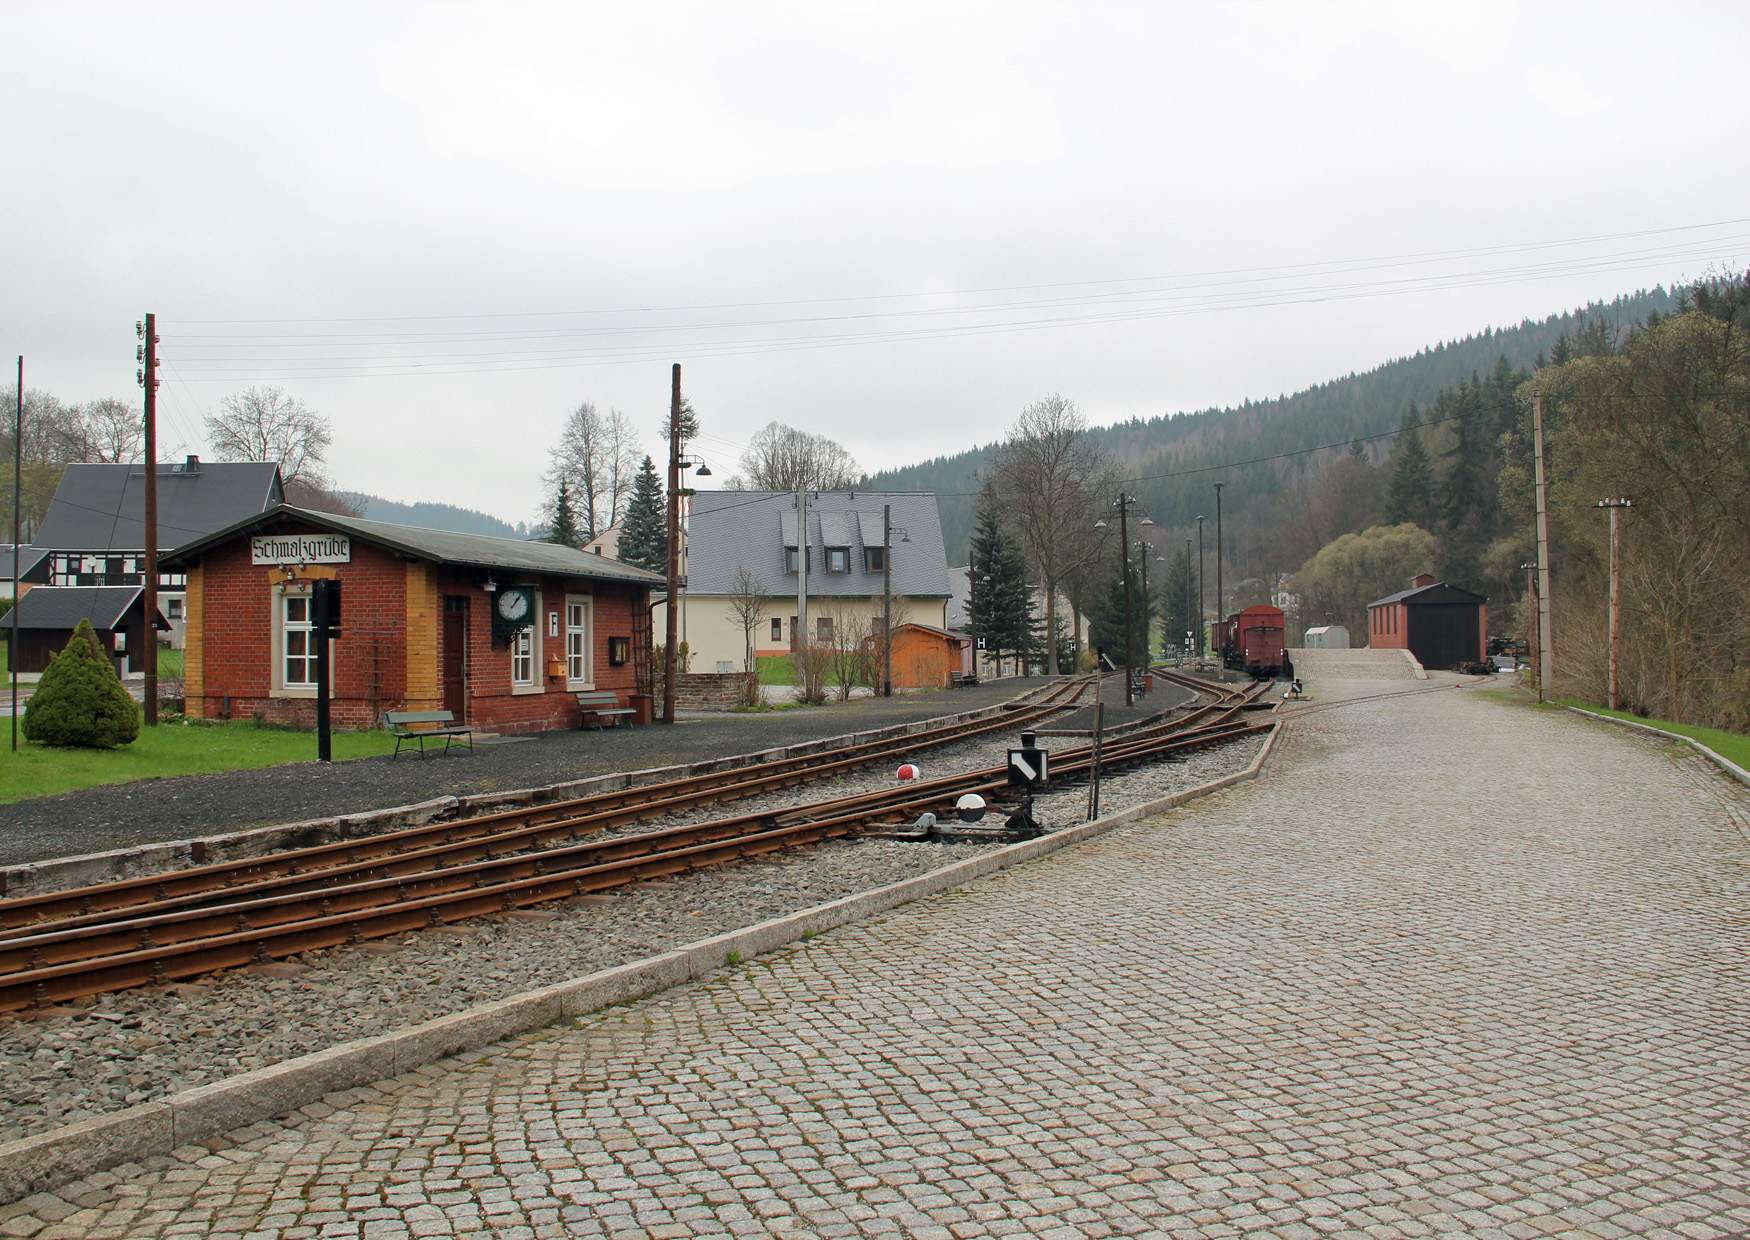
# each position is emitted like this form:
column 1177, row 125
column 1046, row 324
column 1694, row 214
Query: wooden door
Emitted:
column 454, row 661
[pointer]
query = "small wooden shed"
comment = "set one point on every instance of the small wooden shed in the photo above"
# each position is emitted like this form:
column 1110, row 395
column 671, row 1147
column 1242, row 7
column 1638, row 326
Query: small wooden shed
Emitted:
column 924, row 656
column 48, row 615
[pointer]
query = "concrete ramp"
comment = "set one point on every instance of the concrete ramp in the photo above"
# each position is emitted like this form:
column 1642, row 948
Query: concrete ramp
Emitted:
column 1367, row 664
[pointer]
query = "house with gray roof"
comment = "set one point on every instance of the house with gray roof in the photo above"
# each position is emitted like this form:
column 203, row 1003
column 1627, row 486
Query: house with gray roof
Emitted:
column 94, row 533
column 758, row 532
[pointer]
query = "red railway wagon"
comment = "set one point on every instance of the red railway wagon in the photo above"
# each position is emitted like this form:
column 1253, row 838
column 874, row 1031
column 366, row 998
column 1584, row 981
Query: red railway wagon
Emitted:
column 1254, row 640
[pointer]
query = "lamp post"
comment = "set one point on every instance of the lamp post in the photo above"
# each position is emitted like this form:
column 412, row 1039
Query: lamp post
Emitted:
column 1615, row 598
column 1218, row 487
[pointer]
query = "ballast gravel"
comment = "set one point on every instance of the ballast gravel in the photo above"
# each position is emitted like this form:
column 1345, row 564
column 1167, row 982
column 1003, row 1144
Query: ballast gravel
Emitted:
column 74, row 1062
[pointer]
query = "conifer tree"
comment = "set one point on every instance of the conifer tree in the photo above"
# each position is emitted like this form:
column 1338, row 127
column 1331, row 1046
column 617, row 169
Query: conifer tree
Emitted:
column 999, row 611
column 644, row 528
column 562, row 520
column 1178, row 606
column 1410, row 494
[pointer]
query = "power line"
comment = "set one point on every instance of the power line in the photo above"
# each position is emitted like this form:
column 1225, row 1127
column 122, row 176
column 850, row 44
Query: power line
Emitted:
column 1425, row 255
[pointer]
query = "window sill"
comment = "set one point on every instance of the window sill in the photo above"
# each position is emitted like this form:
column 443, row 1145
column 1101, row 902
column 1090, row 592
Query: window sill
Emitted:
column 579, row 686
column 297, row 691
column 527, row 690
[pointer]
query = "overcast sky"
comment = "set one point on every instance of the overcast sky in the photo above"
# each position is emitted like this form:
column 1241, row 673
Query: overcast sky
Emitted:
column 562, row 200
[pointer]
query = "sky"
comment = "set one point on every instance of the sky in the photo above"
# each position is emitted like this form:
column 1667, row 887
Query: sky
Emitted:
column 443, row 227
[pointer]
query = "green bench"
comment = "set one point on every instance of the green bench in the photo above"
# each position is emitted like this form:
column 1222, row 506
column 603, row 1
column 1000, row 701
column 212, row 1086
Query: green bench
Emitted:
column 424, row 725
column 601, row 704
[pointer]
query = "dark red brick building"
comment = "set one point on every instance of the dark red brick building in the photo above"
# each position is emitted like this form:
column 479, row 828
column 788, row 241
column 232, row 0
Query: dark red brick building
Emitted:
column 1441, row 625
column 503, row 633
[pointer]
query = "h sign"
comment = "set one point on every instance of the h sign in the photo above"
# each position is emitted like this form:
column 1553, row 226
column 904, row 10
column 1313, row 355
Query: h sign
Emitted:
column 1028, row 768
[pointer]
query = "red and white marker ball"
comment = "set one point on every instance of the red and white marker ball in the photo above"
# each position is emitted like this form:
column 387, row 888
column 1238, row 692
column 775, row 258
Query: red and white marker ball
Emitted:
column 910, row 771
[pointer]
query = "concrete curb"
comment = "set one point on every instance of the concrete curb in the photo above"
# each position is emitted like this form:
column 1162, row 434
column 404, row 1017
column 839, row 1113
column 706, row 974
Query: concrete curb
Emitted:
column 34, row 877
column 42, row 1162
column 1718, row 759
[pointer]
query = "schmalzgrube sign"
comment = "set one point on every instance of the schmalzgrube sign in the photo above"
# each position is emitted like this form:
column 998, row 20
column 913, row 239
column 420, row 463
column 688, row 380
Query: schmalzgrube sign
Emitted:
column 300, row 549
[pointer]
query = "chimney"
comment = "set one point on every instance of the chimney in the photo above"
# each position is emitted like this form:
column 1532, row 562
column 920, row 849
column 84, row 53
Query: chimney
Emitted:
column 192, row 465
column 1422, row 579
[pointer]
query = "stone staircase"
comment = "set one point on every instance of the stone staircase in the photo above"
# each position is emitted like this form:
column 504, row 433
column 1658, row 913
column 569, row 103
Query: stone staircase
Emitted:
column 1365, row 664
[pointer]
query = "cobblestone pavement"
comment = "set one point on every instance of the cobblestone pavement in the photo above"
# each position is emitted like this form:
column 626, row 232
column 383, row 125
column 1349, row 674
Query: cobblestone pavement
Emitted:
column 1453, row 967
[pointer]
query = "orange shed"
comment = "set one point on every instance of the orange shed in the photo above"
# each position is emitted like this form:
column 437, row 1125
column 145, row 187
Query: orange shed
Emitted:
column 923, row 656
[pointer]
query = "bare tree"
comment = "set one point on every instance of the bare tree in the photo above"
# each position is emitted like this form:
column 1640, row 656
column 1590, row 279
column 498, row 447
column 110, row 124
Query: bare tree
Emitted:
column 114, row 430
column 850, row 653
column 747, row 603
column 597, row 454
column 782, row 458
column 269, row 424
column 1051, row 486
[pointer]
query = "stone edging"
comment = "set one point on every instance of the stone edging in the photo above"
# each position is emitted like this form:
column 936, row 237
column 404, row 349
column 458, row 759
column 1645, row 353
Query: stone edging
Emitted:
column 1718, row 759
column 46, row 1160
column 57, row 873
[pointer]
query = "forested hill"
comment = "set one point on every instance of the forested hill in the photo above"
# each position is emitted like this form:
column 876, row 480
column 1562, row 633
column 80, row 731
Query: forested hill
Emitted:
column 432, row 516
column 1336, row 411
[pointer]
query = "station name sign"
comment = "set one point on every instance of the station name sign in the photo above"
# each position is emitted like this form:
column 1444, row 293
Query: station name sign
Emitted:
column 300, row 549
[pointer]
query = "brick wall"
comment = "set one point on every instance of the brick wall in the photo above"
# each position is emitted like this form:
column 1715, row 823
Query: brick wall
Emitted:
column 390, row 654
column 709, row 690
column 235, row 645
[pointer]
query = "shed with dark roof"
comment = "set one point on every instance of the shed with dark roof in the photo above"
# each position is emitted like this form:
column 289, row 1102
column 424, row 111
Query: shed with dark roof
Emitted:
column 48, row 615
column 501, row 632
column 1441, row 625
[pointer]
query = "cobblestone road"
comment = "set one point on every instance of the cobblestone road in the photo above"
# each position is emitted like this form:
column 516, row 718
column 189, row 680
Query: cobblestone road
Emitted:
column 1453, row 967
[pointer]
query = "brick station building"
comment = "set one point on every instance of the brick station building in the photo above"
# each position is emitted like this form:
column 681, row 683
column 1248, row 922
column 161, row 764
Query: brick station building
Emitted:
column 503, row 633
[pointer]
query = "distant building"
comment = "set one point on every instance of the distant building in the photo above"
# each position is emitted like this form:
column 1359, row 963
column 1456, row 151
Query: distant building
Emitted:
column 605, row 543
column 47, row 617
column 1327, row 637
column 1441, row 625
column 728, row 531
column 28, row 559
column 959, row 620
column 94, row 533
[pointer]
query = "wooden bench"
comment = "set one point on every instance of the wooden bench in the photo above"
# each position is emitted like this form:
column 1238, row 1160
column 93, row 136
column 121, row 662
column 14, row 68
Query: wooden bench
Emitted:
column 424, row 725
column 599, row 705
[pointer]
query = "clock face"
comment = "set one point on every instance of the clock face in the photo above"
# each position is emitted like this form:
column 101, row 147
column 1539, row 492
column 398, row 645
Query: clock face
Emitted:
column 513, row 604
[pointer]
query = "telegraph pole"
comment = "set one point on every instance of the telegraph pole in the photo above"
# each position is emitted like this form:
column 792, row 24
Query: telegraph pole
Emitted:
column 1129, row 642
column 1530, row 568
column 1147, row 620
column 1545, row 637
column 887, row 600
column 1196, row 623
column 1201, row 605
column 148, row 357
column 671, row 618
column 1218, row 610
column 800, row 637
column 1614, row 505
column 17, row 527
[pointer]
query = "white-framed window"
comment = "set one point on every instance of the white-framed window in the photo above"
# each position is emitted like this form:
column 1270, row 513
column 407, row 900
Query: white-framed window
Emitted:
column 294, row 642
column 838, row 559
column 525, row 654
column 777, row 629
column 173, row 608
column 579, row 640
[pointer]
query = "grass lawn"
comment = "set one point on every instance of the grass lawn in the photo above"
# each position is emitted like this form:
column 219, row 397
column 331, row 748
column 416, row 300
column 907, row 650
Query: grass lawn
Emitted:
column 777, row 669
column 169, row 749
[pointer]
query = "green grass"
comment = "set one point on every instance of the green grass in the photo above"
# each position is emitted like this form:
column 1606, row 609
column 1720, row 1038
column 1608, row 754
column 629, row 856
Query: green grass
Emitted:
column 777, row 669
column 169, row 749
column 1732, row 746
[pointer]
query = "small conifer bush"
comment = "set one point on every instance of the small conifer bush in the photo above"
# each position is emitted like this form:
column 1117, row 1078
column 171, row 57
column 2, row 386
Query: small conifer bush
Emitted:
column 80, row 701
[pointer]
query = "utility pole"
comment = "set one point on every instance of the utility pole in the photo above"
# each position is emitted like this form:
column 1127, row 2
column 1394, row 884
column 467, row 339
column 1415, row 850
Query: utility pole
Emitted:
column 972, row 607
column 1202, row 606
column 17, row 526
column 1545, row 636
column 1614, row 505
column 887, row 600
column 1530, row 568
column 1195, row 622
column 800, row 637
column 670, row 656
column 148, row 356
column 1129, row 642
column 1147, row 619
column 1218, row 611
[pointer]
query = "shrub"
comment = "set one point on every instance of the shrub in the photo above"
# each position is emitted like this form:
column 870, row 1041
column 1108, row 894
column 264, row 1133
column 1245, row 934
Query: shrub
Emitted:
column 80, row 700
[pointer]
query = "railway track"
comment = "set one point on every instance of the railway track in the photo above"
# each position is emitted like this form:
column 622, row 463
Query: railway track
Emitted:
column 222, row 917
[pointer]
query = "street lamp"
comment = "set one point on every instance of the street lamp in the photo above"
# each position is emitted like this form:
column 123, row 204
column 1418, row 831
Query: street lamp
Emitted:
column 1202, row 606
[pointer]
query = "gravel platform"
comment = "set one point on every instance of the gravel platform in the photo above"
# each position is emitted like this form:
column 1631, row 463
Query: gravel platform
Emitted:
column 73, row 1062
column 186, row 806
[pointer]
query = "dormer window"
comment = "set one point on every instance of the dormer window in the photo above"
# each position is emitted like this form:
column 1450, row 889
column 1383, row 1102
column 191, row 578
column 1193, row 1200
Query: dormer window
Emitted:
column 838, row 559
column 790, row 559
column 874, row 559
